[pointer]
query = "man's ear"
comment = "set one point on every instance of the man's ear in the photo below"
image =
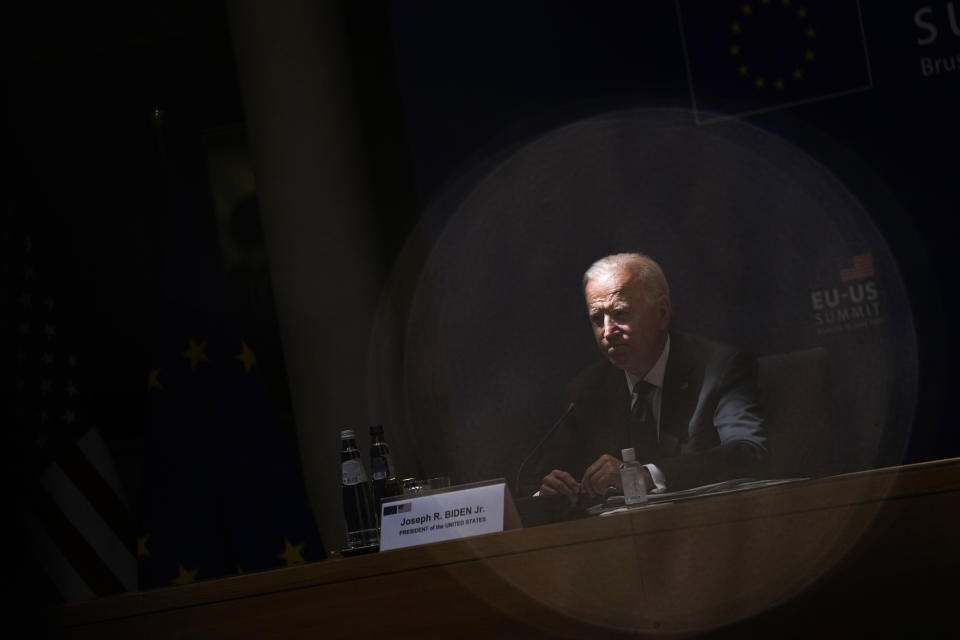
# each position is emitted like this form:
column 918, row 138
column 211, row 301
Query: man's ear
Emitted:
column 666, row 312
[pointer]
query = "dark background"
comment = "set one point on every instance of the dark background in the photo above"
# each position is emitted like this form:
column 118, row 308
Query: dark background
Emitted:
column 443, row 91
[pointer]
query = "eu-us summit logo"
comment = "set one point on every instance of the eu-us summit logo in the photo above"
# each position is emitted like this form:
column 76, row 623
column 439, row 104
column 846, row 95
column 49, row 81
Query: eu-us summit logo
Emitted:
column 760, row 55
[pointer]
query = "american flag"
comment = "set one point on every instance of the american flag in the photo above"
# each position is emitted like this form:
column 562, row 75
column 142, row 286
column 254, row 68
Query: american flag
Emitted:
column 862, row 268
column 72, row 514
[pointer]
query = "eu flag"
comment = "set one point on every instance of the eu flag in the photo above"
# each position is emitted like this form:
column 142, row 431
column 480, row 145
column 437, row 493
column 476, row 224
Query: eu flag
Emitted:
column 759, row 55
column 222, row 492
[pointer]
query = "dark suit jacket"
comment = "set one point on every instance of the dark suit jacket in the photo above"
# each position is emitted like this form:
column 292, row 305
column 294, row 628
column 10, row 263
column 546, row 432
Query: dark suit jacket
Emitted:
column 711, row 424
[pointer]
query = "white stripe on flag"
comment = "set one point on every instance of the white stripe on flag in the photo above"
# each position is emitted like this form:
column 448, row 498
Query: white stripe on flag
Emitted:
column 98, row 534
column 93, row 446
column 69, row 583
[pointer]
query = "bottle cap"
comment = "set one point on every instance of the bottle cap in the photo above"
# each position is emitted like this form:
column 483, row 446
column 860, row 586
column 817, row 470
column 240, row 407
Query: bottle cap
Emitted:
column 628, row 455
column 346, row 434
column 376, row 429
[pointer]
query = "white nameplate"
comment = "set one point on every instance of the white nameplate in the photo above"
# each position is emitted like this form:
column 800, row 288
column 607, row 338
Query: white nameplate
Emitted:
column 446, row 514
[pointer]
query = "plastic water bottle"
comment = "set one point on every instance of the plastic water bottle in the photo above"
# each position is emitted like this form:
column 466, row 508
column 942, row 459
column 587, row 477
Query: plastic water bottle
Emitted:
column 631, row 477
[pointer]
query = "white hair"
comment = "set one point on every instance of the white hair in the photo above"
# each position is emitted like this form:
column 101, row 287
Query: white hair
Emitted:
column 642, row 268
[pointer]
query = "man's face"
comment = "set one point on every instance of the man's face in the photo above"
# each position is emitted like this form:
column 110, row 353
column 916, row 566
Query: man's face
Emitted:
column 630, row 330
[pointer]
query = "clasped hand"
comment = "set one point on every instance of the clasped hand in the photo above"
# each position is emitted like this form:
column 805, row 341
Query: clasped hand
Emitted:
column 597, row 480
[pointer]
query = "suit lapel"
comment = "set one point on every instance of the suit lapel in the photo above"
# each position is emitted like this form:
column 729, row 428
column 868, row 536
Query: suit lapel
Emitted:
column 611, row 406
column 680, row 391
column 617, row 403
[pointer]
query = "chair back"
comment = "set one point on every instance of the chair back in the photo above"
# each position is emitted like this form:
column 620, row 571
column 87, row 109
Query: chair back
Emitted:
column 796, row 397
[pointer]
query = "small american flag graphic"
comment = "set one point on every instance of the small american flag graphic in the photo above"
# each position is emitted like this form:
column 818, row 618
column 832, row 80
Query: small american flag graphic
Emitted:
column 862, row 268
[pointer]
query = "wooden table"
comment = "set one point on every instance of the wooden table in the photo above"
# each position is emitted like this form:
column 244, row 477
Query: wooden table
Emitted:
column 835, row 556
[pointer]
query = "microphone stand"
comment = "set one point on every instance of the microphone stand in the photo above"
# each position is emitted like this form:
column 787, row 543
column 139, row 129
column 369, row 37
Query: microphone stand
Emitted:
column 546, row 437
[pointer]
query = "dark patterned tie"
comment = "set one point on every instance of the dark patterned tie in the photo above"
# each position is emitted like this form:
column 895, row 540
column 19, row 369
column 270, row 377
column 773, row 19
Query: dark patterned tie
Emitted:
column 643, row 423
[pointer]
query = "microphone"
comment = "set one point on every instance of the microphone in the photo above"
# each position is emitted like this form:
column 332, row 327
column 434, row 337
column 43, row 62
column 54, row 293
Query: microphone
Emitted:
column 546, row 437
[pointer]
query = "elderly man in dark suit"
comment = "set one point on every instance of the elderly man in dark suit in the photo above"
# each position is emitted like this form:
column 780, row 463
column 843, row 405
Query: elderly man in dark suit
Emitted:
column 687, row 405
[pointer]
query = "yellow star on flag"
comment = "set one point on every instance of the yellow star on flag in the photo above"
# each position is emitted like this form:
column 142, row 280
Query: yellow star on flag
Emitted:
column 196, row 353
column 247, row 357
column 291, row 553
column 808, row 55
column 153, row 380
column 735, row 50
column 185, row 577
column 142, row 551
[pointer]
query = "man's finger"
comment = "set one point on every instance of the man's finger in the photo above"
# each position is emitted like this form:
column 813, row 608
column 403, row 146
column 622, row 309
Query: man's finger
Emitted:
column 603, row 473
column 558, row 481
column 589, row 478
